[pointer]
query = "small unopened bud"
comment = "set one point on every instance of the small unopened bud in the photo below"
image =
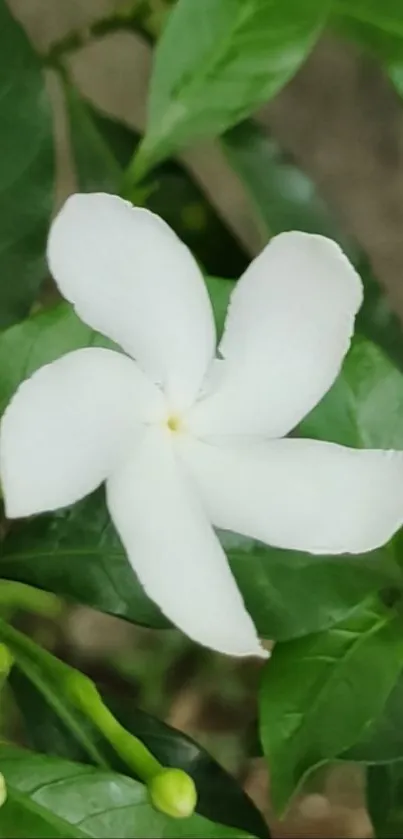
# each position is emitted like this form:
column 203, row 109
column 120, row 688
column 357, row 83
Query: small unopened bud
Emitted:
column 6, row 661
column 173, row 792
column 3, row 790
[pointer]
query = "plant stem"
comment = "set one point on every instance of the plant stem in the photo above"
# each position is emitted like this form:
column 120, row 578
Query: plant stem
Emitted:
column 86, row 697
column 135, row 21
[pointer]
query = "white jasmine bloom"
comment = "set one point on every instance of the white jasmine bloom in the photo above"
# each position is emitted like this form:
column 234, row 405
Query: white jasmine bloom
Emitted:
column 186, row 442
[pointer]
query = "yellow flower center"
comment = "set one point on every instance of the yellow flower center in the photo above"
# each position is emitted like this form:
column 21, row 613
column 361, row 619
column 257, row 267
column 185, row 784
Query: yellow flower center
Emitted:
column 174, row 423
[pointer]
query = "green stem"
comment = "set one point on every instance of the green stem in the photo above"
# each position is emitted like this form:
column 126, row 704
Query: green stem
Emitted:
column 136, row 20
column 171, row 791
column 15, row 595
column 138, row 168
column 83, row 693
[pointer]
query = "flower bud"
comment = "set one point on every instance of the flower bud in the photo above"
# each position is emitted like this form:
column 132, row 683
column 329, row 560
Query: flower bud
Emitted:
column 173, row 792
column 3, row 790
column 6, row 661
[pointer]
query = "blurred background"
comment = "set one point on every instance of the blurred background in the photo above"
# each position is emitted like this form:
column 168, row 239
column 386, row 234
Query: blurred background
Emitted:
column 331, row 146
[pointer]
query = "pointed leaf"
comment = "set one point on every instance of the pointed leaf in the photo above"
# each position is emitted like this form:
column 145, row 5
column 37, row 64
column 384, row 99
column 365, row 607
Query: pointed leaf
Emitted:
column 26, row 170
column 49, row 798
column 321, row 693
column 383, row 742
column 217, row 62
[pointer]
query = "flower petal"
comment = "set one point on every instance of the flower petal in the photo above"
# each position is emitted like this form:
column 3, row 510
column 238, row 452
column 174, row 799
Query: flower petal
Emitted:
column 131, row 278
column 288, row 328
column 66, row 427
column 174, row 551
column 300, row 494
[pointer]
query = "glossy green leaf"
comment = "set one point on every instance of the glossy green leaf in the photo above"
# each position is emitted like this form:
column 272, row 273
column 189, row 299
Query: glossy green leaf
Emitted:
column 77, row 554
column 321, row 693
column 49, row 798
column 26, row 170
column 383, row 743
column 364, row 406
column 217, row 62
column 220, row 797
column 39, row 340
column 291, row 594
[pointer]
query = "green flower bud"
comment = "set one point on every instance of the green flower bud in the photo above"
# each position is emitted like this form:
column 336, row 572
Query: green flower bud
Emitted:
column 3, row 790
column 6, row 661
column 173, row 792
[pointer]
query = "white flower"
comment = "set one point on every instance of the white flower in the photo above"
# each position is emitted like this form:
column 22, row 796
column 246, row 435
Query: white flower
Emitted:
column 183, row 441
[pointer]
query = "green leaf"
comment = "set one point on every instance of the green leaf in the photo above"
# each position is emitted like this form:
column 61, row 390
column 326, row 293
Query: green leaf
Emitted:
column 97, row 168
column 290, row 594
column 26, row 170
column 384, row 800
column 220, row 798
column 49, row 798
column 77, row 554
column 321, row 693
column 217, row 62
column 386, row 15
column 364, row 406
column 383, row 742
column 39, row 340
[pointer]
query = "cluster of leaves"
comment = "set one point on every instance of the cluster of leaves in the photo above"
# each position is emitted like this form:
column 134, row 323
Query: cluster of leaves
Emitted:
column 333, row 689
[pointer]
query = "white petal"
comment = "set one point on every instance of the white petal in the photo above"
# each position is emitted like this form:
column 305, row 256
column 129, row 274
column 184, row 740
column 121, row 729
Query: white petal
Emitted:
column 301, row 494
column 66, row 427
column 175, row 552
column 289, row 326
column 131, row 278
